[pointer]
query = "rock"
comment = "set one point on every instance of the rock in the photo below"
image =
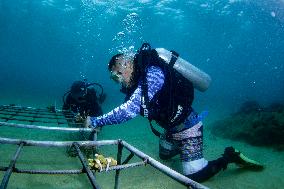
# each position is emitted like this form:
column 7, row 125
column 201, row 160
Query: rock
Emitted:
column 260, row 128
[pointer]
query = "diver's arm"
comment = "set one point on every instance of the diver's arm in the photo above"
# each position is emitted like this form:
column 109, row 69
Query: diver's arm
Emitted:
column 131, row 108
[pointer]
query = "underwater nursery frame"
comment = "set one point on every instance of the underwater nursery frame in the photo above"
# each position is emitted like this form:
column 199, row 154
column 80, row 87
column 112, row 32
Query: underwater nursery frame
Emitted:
column 10, row 112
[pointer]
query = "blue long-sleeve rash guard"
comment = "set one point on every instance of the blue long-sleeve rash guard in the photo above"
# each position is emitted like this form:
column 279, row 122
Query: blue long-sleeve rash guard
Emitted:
column 131, row 108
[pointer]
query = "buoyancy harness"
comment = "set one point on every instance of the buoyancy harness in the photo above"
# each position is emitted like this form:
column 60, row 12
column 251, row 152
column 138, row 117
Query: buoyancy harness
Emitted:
column 172, row 104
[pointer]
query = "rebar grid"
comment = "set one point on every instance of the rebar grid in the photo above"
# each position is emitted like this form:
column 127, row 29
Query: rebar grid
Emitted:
column 86, row 169
column 37, row 115
column 34, row 113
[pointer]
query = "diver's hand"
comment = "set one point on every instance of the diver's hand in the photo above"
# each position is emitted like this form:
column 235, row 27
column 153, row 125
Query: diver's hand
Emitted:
column 79, row 118
column 88, row 123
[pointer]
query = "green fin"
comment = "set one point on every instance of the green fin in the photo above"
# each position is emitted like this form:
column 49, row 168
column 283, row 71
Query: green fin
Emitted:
column 245, row 162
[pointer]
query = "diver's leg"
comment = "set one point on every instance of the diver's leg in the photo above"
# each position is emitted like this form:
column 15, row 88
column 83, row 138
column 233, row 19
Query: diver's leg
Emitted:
column 194, row 165
column 192, row 156
column 212, row 168
column 167, row 148
column 231, row 155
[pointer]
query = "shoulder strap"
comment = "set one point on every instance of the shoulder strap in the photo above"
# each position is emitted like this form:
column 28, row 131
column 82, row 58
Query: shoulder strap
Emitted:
column 143, row 61
column 174, row 58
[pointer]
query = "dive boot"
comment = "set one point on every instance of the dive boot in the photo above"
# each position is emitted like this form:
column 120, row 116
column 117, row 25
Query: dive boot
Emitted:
column 233, row 155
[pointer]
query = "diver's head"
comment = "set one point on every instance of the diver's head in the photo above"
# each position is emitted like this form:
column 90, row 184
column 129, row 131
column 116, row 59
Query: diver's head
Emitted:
column 78, row 91
column 121, row 69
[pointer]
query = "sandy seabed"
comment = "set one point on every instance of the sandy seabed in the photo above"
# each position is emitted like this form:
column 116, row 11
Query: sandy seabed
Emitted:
column 138, row 133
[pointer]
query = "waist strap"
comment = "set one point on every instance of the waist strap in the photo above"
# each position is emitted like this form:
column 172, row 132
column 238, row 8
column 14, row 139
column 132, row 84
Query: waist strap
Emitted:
column 192, row 132
column 190, row 121
column 194, row 120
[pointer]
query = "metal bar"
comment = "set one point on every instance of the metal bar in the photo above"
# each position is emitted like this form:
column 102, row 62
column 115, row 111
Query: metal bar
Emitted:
column 90, row 174
column 7, row 118
column 128, row 158
column 168, row 171
column 41, row 111
column 75, row 124
column 11, row 166
column 75, row 171
column 30, row 171
column 46, row 127
column 94, row 135
column 35, row 116
column 58, row 119
column 24, row 108
column 15, row 114
column 57, row 143
column 120, row 167
column 30, row 120
column 119, row 155
column 20, row 107
column 34, row 119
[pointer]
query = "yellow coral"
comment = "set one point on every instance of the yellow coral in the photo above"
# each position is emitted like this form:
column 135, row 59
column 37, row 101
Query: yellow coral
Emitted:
column 101, row 162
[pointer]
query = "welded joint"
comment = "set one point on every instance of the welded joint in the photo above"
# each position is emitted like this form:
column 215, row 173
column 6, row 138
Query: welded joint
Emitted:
column 119, row 141
column 146, row 160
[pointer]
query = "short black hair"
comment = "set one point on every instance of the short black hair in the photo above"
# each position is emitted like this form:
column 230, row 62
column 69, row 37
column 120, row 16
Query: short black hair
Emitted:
column 113, row 60
column 78, row 86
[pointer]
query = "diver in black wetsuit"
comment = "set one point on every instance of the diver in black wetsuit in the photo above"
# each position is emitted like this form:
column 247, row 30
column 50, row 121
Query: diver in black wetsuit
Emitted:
column 83, row 101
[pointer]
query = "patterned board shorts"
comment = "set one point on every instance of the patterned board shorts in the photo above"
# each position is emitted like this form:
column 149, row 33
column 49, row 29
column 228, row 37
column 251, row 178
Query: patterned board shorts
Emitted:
column 187, row 143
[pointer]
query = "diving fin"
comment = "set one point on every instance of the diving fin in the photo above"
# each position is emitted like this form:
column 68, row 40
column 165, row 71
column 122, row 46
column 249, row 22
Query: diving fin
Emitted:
column 246, row 162
column 233, row 155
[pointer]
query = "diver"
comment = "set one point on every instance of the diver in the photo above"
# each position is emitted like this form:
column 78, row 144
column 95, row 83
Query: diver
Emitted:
column 82, row 100
column 159, row 85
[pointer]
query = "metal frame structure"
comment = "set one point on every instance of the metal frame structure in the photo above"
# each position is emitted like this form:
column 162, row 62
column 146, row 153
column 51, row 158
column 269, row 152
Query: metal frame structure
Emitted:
column 37, row 115
column 145, row 159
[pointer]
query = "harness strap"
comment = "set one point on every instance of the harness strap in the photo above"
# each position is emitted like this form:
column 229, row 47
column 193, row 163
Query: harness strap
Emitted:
column 144, row 51
column 174, row 58
column 157, row 133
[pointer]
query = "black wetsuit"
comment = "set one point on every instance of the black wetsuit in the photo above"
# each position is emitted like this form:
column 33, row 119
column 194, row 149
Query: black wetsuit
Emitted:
column 88, row 106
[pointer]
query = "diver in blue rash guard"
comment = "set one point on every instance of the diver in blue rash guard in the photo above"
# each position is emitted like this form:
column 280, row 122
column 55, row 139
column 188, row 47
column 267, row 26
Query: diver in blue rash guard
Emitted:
column 161, row 94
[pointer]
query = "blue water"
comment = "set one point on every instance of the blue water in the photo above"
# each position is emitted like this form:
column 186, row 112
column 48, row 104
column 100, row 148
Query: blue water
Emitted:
column 47, row 44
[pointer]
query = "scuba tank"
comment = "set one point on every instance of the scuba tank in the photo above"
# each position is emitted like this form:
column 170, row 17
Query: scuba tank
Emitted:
column 199, row 79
